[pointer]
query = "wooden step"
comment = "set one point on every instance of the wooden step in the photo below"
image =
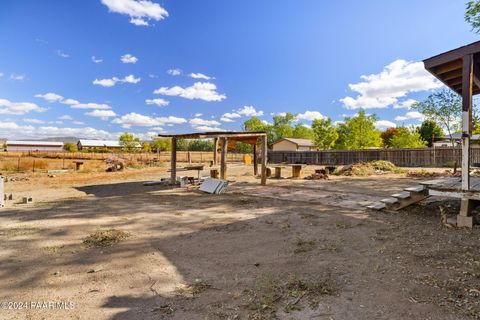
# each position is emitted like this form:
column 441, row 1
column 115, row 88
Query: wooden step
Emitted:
column 389, row 201
column 377, row 206
column 415, row 189
column 401, row 195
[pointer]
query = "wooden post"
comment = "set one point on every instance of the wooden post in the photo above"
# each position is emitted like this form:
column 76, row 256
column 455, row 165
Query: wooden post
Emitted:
column 467, row 87
column 264, row 160
column 255, row 160
column 215, row 151
column 223, row 159
column 173, row 162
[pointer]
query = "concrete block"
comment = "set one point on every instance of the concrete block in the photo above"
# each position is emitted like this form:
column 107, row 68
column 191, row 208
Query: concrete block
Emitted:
column 27, row 200
column 463, row 221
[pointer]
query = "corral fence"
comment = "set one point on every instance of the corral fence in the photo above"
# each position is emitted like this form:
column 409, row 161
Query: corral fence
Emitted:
column 182, row 156
column 422, row 157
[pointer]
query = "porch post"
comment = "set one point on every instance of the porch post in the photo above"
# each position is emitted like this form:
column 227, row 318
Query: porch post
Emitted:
column 467, row 85
column 173, row 162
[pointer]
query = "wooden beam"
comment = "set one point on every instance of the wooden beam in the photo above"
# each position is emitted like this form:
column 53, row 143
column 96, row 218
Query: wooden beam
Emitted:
column 467, row 91
column 454, row 82
column 255, row 161
column 264, row 160
column 457, row 73
column 173, row 162
column 223, row 159
column 448, row 67
column 215, row 151
column 451, row 55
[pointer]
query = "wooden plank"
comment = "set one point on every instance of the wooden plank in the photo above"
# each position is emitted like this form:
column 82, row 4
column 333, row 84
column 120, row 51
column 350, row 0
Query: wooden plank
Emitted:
column 215, row 151
column 264, row 160
column 223, row 159
column 255, row 160
column 467, row 86
column 173, row 162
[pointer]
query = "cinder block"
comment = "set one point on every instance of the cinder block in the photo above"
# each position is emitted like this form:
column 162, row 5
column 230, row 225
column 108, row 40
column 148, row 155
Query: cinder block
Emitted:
column 463, row 221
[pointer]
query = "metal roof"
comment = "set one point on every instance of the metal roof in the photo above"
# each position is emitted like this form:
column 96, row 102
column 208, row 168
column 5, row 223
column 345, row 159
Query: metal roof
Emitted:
column 100, row 143
column 299, row 142
column 34, row 143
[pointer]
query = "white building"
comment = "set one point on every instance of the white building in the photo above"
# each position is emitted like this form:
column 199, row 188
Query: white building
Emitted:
column 83, row 144
column 47, row 146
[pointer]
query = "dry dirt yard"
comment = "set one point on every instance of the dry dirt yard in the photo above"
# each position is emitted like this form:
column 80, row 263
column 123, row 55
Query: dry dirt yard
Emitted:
column 292, row 250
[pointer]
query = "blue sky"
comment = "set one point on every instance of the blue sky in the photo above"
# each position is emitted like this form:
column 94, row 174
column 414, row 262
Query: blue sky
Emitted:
column 97, row 68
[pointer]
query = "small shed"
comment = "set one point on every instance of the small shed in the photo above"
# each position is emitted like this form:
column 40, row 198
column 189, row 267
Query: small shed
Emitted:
column 222, row 140
column 25, row 146
column 291, row 144
column 84, row 144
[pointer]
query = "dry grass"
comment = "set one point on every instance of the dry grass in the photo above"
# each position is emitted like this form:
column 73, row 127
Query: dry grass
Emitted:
column 105, row 238
column 194, row 288
column 302, row 246
column 29, row 164
column 270, row 294
column 18, row 231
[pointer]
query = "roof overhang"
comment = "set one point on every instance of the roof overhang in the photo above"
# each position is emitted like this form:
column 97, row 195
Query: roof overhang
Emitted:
column 245, row 137
column 448, row 67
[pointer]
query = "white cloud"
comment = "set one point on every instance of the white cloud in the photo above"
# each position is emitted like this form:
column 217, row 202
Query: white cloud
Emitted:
column 17, row 77
column 18, row 108
column 62, row 54
column 80, row 123
column 36, row 121
column 135, row 119
column 91, row 105
column 208, row 128
column 406, row 104
column 249, row 111
column 50, row 97
column 384, row 124
column 128, row 58
column 202, row 122
column 174, row 72
column 102, row 114
column 70, row 101
column 13, row 130
column 200, row 76
column 310, row 115
column 114, row 80
column 1, row 74
column 385, row 88
column 96, row 60
column 140, row 11
column 65, row 117
column 229, row 116
column 196, row 115
column 157, row 102
column 411, row 115
column 199, row 90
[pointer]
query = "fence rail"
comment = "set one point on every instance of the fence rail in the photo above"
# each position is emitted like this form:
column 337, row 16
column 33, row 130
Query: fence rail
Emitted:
column 182, row 156
column 423, row 157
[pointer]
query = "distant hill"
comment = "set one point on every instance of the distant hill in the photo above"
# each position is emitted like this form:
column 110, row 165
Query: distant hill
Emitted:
column 61, row 139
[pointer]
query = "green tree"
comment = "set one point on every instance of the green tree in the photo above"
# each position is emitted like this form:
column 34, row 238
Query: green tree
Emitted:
column 301, row 131
column 129, row 142
column 387, row 137
column 359, row 132
column 324, row 133
column 443, row 107
column 406, row 138
column 182, row 144
column 472, row 15
column 70, row 147
column 146, row 147
column 255, row 124
column 200, row 145
column 282, row 126
column 161, row 144
column 430, row 130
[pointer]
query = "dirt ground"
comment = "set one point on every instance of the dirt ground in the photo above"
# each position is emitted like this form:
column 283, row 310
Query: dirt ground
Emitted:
column 296, row 249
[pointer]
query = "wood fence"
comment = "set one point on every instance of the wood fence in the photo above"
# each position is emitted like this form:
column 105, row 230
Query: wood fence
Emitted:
column 182, row 156
column 423, row 157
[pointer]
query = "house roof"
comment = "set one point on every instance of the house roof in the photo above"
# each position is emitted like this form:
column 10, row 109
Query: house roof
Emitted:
column 34, row 143
column 100, row 143
column 299, row 142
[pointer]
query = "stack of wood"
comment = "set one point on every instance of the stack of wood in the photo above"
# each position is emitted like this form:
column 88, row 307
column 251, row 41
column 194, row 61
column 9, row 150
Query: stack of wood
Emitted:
column 320, row 174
